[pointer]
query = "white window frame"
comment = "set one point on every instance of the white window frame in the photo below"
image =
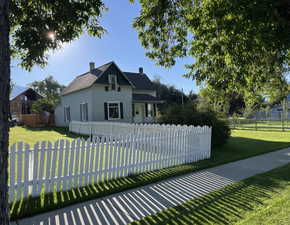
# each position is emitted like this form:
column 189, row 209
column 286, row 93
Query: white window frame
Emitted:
column 119, row 110
column 66, row 115
column 84, row 117
column 113, row 81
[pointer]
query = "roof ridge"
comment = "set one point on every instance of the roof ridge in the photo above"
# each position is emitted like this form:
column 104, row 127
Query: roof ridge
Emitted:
column 89, row 72
column 111, row 62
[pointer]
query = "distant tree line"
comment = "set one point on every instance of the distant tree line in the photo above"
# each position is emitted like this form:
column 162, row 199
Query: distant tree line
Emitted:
column 171, row 95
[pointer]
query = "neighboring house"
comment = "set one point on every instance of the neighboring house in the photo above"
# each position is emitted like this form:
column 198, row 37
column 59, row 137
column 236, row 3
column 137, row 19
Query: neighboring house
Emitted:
column 276, row 111
column 107, row 93
column 21, row 100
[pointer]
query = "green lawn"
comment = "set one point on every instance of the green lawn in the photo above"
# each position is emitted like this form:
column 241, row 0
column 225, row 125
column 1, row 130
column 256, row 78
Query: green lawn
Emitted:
column 242, row 144
column 246, row 143
column 260, row 200
column 32, row 135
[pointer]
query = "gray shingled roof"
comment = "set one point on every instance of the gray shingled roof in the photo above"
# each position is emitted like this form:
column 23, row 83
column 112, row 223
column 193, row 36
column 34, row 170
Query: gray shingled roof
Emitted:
column 145, row 98
column 140, row 82
column 85, row 80
column 80, row 82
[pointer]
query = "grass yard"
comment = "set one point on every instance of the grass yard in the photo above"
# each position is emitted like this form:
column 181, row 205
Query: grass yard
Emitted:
column 262, row 199
column 242, row 144
column 32, row 135
column 246, row 143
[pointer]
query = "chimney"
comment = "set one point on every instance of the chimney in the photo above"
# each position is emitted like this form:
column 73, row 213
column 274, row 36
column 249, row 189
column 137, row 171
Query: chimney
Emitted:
column 92, row 66
column 141, row 70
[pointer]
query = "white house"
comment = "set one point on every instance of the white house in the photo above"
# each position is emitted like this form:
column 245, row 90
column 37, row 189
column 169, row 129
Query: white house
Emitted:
column 106, row 93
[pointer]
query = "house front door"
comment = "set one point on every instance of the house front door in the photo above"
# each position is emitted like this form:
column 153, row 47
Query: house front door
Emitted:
column 138, row 113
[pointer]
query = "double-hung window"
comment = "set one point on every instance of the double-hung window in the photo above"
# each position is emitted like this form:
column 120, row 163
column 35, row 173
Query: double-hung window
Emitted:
column 67, row 114
column 113, row 110
column 113, row 81
column 84, row 111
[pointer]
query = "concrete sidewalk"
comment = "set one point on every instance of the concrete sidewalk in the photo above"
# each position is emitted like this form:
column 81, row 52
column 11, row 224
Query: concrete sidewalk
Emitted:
column 125, row 207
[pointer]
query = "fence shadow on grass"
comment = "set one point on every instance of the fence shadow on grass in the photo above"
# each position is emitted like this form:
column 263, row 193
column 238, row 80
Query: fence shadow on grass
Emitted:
column 226, row 205
column 129, row 206
column 216, row 207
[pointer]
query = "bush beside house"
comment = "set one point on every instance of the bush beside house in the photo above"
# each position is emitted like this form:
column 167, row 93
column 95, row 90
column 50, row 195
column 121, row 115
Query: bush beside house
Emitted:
column 187, row 115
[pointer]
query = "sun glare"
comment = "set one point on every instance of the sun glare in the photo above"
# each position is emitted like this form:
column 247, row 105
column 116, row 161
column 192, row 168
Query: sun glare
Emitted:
column 51, row 35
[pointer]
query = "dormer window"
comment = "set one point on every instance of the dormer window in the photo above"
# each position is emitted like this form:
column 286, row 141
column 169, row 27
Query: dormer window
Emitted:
column 113, row 81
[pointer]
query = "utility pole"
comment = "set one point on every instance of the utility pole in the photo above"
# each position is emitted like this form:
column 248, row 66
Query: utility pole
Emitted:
column 182, row 97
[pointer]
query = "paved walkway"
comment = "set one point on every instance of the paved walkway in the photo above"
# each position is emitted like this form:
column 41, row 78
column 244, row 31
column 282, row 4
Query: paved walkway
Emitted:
column 125, row 207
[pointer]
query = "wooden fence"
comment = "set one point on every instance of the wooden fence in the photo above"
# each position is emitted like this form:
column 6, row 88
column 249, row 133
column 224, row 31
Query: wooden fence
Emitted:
column 63, row 165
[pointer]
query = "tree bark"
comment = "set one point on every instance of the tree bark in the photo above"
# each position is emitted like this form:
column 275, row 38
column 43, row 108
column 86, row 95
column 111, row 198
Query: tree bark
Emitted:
column 4, row 108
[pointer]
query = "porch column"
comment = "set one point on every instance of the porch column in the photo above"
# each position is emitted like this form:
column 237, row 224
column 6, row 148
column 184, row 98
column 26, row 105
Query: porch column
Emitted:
column 154, row 109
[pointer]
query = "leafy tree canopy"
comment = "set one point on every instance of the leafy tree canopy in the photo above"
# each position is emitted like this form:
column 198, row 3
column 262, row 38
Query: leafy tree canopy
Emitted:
column 39, row 26
column 235, row 44
column 44, row 105
column 48, row 88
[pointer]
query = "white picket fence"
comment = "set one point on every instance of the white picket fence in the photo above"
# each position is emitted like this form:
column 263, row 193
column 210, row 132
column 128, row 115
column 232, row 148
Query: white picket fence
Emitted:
column 117, row 128
column 63, row 165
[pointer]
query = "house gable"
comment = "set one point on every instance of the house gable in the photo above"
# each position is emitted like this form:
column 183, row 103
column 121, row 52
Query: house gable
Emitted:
column 98, row 75
column 114, row 70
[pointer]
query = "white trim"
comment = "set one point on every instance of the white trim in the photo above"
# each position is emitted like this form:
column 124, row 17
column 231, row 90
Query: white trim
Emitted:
column 113, row 80
column 119, row 110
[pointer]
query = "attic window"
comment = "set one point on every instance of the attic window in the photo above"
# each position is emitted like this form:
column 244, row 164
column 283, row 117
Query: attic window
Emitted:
column 113, row 81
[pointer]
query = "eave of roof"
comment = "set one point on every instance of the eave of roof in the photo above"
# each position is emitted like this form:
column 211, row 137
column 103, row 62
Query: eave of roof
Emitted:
column 143, row 98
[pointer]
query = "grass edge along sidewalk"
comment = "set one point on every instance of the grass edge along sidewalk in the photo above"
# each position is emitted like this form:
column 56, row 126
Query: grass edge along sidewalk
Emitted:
column 261, row 199
column 237, row 148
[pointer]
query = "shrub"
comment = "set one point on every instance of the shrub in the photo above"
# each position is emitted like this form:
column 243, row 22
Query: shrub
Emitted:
column 187, row 115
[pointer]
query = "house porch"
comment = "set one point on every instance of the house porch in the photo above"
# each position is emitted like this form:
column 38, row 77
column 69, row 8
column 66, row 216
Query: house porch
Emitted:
column 144, row 108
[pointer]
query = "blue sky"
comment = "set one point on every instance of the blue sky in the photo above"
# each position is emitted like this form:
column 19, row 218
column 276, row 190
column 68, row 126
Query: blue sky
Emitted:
column 120, row 44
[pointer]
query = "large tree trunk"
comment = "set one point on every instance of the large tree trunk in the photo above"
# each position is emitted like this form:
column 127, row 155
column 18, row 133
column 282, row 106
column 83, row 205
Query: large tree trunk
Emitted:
column 4, row 108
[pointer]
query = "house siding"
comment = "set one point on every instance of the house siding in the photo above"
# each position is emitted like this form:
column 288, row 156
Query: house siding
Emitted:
column 100, row 96
column 95, row 96
column 74, row 100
